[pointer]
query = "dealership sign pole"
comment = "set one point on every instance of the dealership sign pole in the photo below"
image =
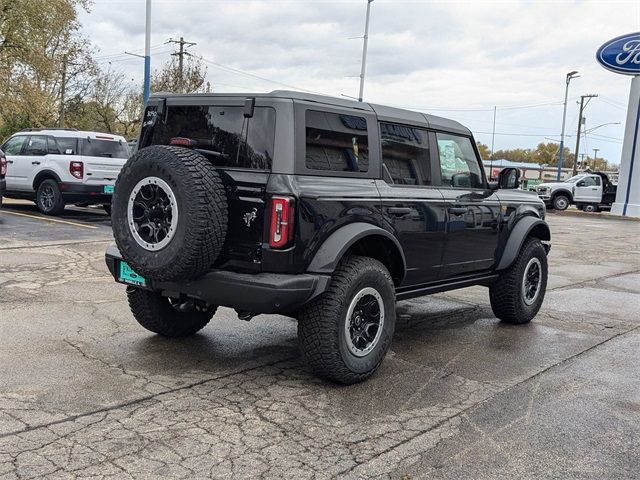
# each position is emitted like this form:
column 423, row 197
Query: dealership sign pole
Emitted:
column 622, row 55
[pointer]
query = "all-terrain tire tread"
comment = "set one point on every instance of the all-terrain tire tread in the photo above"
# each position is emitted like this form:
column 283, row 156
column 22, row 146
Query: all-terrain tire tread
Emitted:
column 504, row 294
column 155, row 314
column 319, row 341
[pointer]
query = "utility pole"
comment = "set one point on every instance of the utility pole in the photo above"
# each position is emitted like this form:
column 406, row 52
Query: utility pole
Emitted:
column 63, row 88
column 493, row 139
column 180, row 54
column 364, row 50
column 570, row 75
column 580, row 122
column 147, row 55
column 595, row 157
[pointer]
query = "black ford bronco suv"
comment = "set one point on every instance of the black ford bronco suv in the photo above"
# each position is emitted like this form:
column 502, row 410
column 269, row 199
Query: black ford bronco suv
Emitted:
column 318, row 208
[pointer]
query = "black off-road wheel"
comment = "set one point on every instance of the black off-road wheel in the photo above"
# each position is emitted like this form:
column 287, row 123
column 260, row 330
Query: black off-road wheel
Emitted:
column 49, row 198
column 168, row 317
column 346, row 332
column 169, row 213
column 517, row 295
column 561, row 202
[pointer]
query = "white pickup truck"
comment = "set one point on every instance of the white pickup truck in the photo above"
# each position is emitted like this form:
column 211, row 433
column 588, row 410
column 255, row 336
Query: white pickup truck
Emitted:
column 54, row 167
column 588, row 191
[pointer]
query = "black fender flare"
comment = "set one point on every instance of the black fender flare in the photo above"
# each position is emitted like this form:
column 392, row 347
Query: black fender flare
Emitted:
column 330, row 253
column 519, row 233
column 43, row 175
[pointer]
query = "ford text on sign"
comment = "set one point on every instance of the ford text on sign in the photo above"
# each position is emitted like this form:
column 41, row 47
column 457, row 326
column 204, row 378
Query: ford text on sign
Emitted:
column 622, row 54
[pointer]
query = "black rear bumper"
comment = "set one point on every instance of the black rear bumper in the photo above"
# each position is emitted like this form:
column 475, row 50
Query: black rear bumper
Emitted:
column 257, row 293
column 79, row 192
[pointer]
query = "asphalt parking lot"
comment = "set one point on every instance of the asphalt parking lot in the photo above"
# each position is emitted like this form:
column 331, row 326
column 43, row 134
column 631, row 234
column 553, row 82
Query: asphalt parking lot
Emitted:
column 86, row 392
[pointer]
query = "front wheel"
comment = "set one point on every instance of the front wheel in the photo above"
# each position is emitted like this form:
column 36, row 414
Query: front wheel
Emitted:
column 561, row 202
column 346, row 332
column 49, row 198
column 518, row 293
column 166, row 316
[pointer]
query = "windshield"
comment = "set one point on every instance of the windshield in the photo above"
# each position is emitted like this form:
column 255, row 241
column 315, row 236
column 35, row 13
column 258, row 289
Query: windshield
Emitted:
column 92, row 147
column 574, row 179
column 220, row 133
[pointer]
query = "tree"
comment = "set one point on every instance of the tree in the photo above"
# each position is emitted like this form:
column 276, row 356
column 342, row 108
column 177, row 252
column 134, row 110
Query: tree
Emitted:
column 485, row 153
column 42, row 57
column 167, row 79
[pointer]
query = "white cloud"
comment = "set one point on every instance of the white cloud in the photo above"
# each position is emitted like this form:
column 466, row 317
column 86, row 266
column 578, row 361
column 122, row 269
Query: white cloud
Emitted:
column 448, row 54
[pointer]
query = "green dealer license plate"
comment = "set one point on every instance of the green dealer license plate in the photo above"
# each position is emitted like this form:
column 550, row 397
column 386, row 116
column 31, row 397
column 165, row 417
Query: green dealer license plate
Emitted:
column 127, row 275
column 108, row 189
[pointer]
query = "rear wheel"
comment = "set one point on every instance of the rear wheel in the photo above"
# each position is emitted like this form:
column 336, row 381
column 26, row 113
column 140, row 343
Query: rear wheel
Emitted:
column 166, row 316
column 346, row 332
column 590, row 208
column 49, row 198
column 518, row 293
column 561, row 202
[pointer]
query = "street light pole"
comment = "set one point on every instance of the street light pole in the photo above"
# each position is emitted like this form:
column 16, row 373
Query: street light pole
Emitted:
column 570, row 75
column 147, row 54
column 364, row 50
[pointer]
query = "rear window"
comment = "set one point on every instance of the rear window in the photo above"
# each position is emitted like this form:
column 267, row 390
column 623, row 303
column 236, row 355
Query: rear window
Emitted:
column 336, row 142
column 92, row 147
column 220, row 133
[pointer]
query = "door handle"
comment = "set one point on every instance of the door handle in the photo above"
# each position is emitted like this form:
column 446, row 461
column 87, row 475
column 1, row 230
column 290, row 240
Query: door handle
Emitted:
column 458, row 210
column 399, row 211
column 594, row 189
column 9, row 161
column 35, row 163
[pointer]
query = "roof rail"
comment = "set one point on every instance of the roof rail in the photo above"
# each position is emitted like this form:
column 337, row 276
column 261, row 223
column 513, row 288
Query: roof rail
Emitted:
column 41, row 129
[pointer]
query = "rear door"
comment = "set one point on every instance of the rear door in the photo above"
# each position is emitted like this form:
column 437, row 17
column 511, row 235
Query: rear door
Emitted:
column 242, row 149
column 410, row 203
column 588, row 190
column 472, row 210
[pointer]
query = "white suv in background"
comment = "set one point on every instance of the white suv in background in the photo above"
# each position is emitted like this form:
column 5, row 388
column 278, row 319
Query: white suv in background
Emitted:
column 54, row 167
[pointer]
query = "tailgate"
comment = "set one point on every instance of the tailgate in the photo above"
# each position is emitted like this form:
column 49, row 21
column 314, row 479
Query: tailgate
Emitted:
column 246, row 197
column 102, row 170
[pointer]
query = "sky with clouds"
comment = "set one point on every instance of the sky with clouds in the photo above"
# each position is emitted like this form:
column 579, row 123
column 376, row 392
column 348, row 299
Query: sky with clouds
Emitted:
column 456, row 59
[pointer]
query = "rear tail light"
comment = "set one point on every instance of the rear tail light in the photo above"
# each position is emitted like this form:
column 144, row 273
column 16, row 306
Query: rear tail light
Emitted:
column 282, row 222
column 3, row 166
column 183, row 142
column 76, row 169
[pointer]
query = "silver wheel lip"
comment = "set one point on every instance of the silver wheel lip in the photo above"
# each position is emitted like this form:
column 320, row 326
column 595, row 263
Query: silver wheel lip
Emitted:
column 174, row 213
column 347, row 333
column 532, row 261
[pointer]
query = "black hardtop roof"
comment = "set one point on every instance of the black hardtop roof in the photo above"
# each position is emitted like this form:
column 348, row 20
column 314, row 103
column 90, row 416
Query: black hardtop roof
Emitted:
column 384, row 113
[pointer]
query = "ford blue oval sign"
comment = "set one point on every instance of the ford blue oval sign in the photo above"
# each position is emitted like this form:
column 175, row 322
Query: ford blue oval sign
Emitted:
column 621, row 55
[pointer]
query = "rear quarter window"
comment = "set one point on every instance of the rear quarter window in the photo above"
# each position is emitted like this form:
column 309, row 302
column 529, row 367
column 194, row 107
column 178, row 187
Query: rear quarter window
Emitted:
column 336, row 142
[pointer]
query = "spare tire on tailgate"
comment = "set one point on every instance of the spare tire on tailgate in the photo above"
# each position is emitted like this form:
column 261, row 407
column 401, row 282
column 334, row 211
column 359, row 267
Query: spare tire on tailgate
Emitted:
column 169, row 213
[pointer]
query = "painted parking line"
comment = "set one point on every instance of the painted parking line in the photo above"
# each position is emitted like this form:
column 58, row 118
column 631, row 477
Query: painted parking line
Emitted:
column 46, row 219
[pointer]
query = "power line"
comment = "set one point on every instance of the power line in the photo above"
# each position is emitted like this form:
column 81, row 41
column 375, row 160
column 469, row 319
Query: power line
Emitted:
column 252, row 75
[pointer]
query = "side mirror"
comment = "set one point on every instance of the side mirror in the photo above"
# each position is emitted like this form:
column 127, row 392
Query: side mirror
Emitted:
column 580, row 183
column 509, row 178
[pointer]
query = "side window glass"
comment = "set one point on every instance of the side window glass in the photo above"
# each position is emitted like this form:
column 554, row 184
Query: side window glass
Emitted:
column 590, row 181
column 458, row 162
column 336, row 142
column 65, row 144
column 597, row 180
column 14, row 145
column 405, row 155
column 52, row 146
column 36, row 145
